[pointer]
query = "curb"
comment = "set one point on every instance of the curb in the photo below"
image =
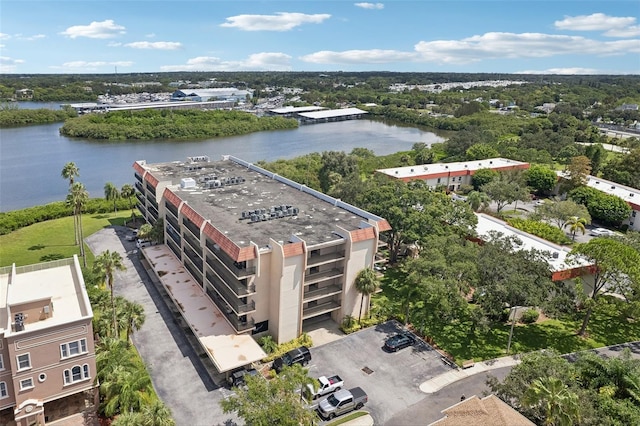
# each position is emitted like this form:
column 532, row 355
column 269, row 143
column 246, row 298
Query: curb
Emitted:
column 445, row 379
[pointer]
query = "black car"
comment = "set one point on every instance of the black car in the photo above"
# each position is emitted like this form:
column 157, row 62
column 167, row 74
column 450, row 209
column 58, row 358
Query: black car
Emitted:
column 237, row 378
column 399, row 341
column 299, row 355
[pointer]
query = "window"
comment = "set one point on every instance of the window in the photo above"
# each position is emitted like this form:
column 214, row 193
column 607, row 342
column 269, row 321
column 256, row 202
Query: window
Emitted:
column 73, row 348
column 76, row 374
column 1, row 362
column 438, row 180
column 3, row 390
column 26, row 384
column 459, row 178
column 24, row 362
column 633, row 213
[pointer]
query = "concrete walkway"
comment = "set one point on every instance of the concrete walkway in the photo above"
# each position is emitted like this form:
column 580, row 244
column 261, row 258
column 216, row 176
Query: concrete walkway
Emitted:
column 445, row 379
column 360, row 421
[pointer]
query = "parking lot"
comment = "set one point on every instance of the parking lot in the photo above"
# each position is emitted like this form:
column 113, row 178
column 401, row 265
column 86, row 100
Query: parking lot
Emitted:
column 391, row 380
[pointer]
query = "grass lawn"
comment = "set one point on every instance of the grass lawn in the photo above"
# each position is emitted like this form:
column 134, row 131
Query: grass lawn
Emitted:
column 53, row 239
column 606, row 327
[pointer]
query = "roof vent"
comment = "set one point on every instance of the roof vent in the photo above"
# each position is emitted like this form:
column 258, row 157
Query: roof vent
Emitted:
column 613, row 187
column 555, row 255
column 631, row 194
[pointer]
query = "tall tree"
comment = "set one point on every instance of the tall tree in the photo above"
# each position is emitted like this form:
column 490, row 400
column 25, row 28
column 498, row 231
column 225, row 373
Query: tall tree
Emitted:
column 560, row 404
column 270, row 402
column 132, row 315
column 559, row 212
column 511, row 276
column 111, row 193
column 76, row 199
column 541, row 179
column 106, row 264
column 504, row 192
column 576, row 224
column 366, row 284
column 70, row 171
column 616, row 269
column 478, row 200
column 576, row 173
column 127, row 191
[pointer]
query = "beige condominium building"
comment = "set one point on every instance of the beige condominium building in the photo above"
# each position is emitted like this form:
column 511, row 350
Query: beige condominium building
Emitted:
column 247, row 252
column 47, row 355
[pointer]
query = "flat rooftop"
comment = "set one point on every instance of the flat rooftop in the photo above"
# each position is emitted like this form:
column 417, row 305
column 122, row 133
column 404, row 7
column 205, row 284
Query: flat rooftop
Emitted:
column 315, row 221
column 60, row 281
column 226, row 349
column 425, row 170
column 291, row 109
column 558, row 254
column 332, row 113
column 628, row 194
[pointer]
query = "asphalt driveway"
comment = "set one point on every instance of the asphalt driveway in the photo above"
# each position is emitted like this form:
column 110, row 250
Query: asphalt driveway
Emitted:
column 391, row 380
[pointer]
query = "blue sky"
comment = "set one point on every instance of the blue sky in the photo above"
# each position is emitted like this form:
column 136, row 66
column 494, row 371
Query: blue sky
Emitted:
column 517, row 36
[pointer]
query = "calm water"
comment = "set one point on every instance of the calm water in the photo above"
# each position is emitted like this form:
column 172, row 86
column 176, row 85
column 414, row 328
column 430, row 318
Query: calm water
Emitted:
column 32, row 158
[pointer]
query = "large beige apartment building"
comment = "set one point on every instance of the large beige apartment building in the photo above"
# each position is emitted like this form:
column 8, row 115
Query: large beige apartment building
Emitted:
column 47, row 355
column 270, row 254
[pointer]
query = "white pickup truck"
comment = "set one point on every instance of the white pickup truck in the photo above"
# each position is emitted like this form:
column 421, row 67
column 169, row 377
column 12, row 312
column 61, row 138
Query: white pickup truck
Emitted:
column 327, row 385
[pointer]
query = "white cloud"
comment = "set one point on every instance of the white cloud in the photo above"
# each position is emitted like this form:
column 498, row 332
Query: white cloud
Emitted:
column 157, row 45
column 594, row 22
column 630, row 31
column 89, row 66
column 525, row 45
column 4, row 36
column 281, row 21
column 374, row 56
column 34, row 37
column 104, row 29
column 9, row 65
column 480, row 47
column 370, row 5
column 266, row 61
column 114, row 44
column 150, row 35
column 564, row 71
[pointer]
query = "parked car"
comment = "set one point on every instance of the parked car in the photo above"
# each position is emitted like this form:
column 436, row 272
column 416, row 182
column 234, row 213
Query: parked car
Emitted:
column 299, row 355
column 131, row 237
column 237, row 378
column 342, row 402
column 599, row 232
column 142, row 243
column 327, row 385
column 399, row 341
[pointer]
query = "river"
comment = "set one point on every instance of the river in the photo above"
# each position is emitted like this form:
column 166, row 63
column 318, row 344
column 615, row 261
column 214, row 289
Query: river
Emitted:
column 32, row 158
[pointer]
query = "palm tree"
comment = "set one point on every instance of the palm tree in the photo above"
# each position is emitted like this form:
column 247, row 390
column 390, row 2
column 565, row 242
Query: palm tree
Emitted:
column 76, row 199
column 128, row 191
column 106, row 264
column 111, row 193
column 366, row 283
column 576, row 224
column 70, row 171
column 133, row 316
column 478, row 200
column 157, row 414
column 126, row 389
column 560, row 404
column 129, row 418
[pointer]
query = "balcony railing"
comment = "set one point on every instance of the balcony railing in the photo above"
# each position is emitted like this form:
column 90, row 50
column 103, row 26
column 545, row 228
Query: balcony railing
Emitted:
column 321, row 292
column 240, row 270
column 231, row 300
column 325, row 258
column 322, row 276
column 323, row 308
column 193, row 243
column 197, row 275
column 235, row 285
column 239, row 324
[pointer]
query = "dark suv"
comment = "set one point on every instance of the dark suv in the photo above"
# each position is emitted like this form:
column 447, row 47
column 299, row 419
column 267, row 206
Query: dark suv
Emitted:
column 299, row 355
column 237, row 378
column 399, row 341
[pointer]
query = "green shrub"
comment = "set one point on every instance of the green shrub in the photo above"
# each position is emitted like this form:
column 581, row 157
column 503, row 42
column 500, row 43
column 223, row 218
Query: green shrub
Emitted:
column 540, row 229
column 16, row 219
column 530, row 316
column 303, row 340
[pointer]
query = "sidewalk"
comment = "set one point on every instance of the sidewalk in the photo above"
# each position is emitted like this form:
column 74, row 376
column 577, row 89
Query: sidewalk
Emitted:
column 438, row 382
column 360, row 421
